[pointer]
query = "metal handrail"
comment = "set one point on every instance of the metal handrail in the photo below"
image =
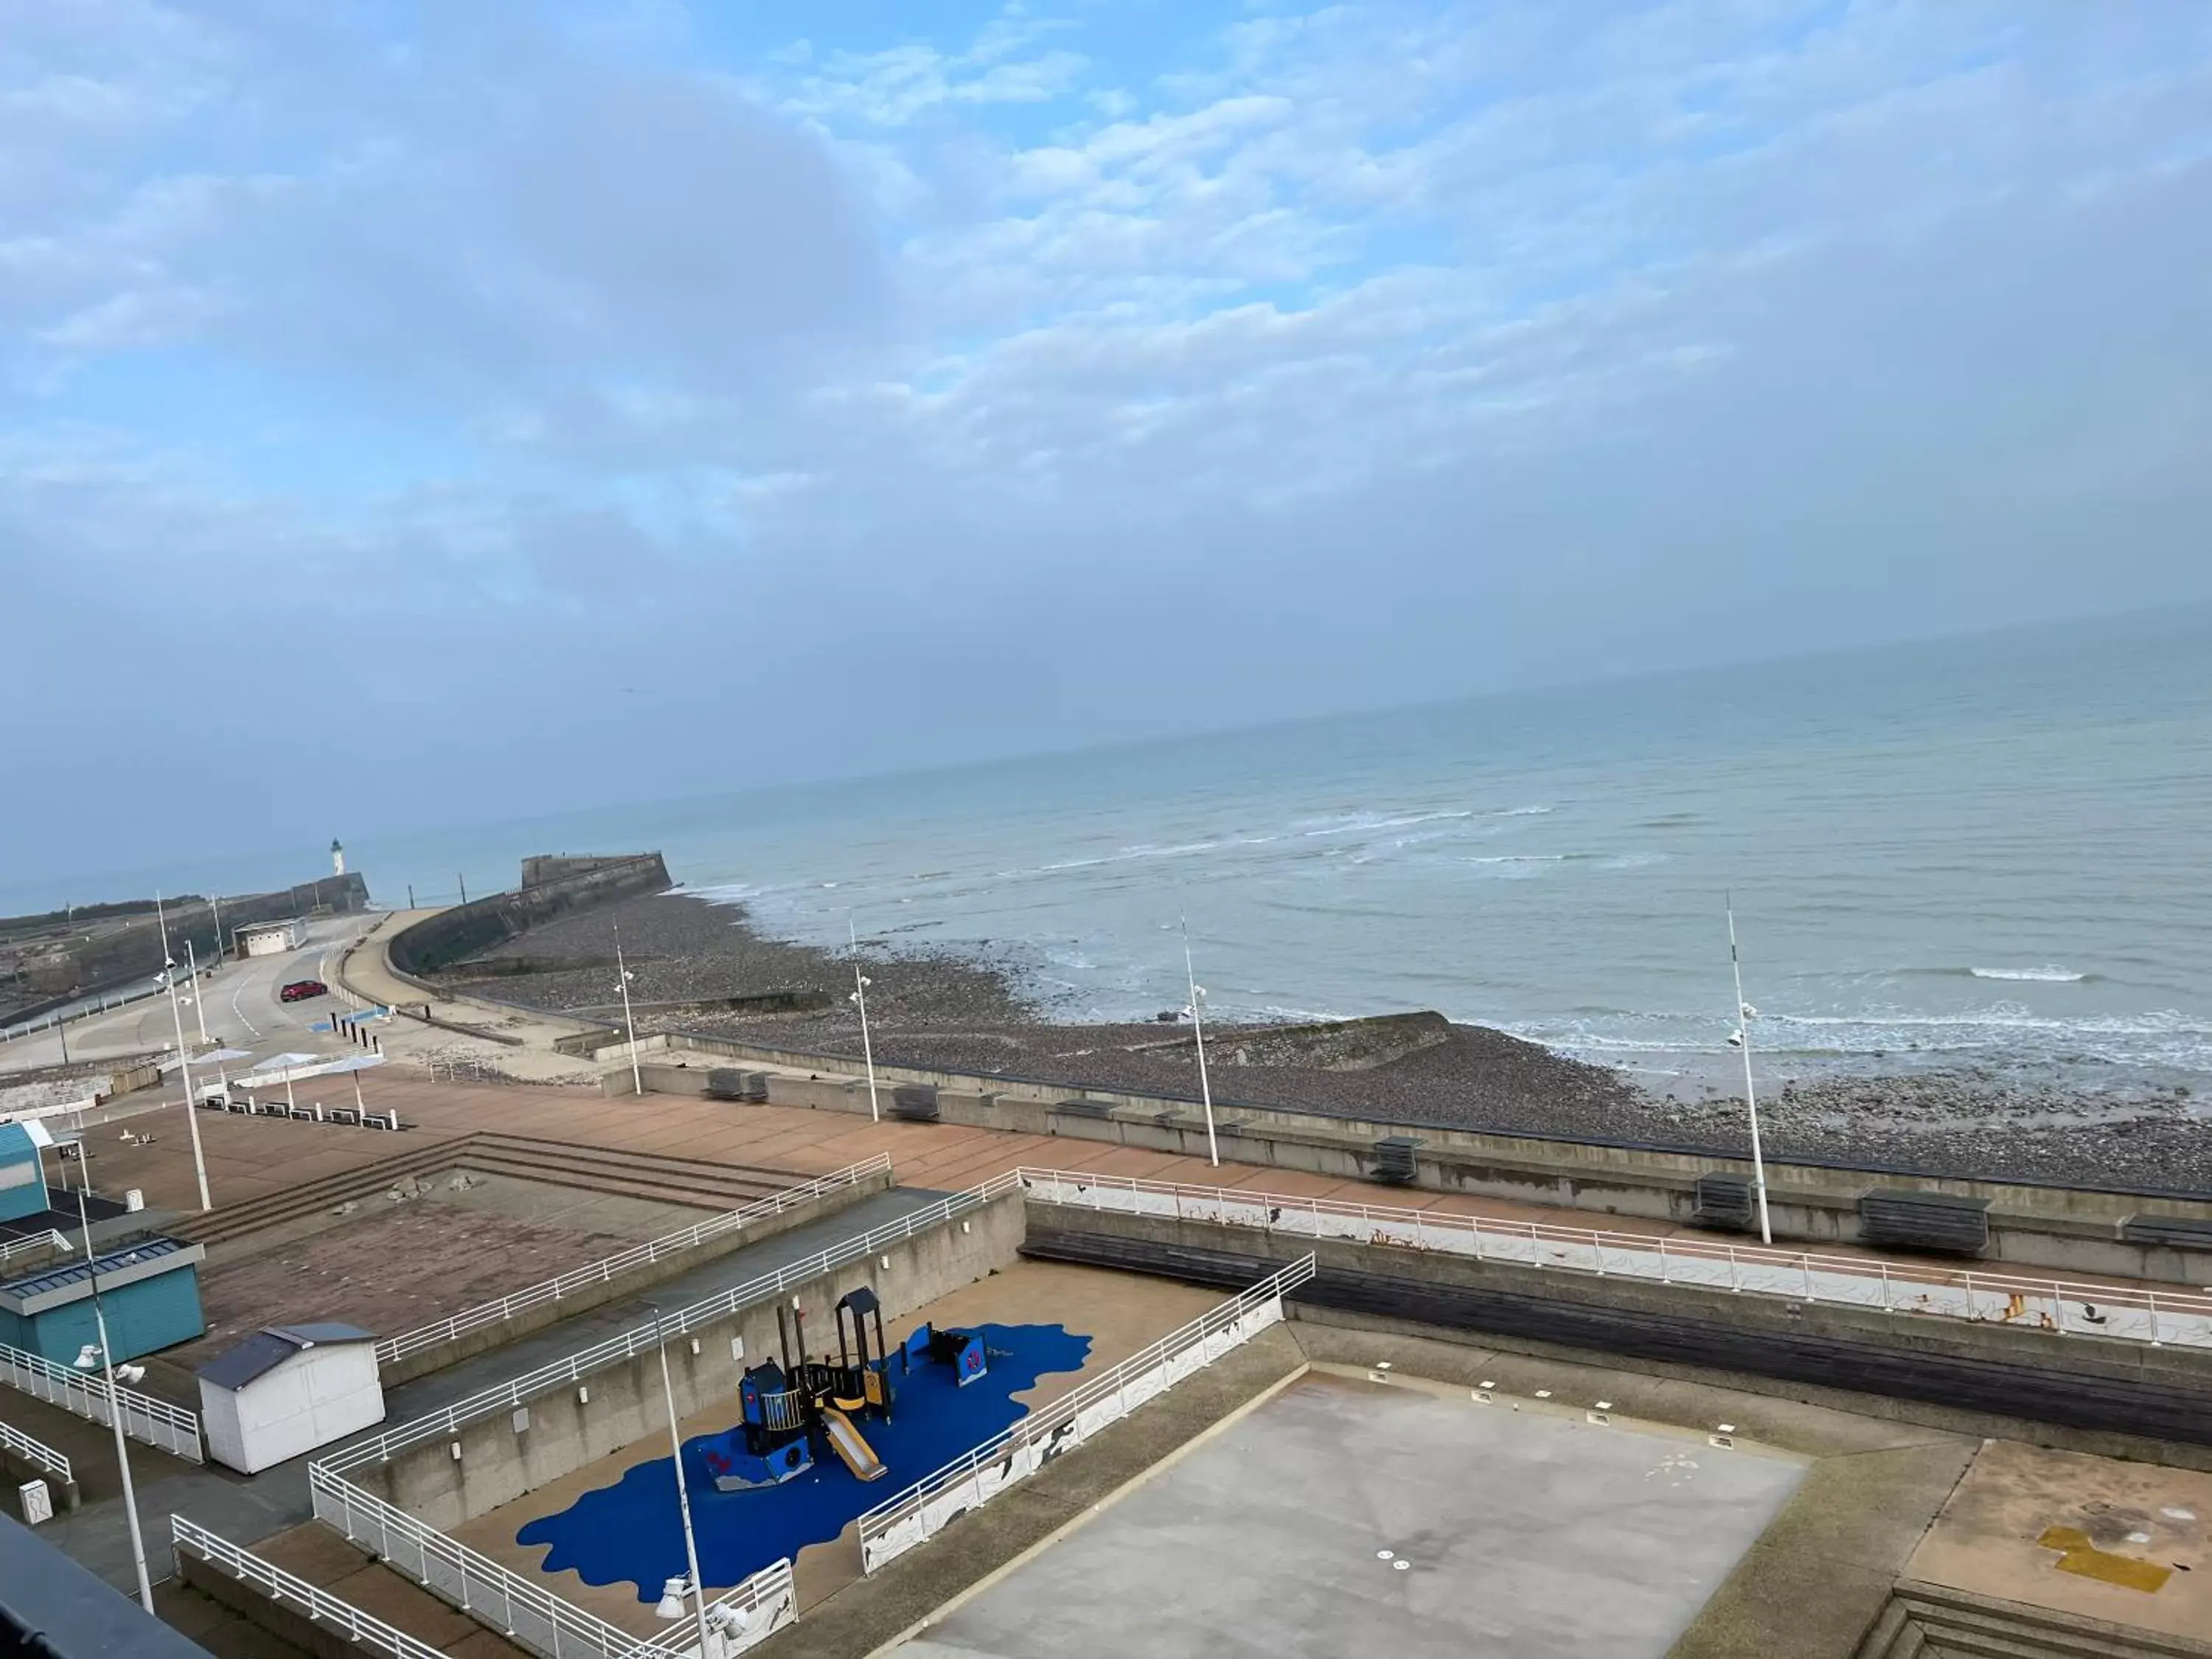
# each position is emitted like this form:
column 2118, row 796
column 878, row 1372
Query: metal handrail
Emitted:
column 47, row 1241
column 36, row 1451
column 1049, row 1419
column 321, row 1605
column 156, row 1422
column 478, row 1574
column 599, row 1272
column 642, row 1338
column 2063, row 1308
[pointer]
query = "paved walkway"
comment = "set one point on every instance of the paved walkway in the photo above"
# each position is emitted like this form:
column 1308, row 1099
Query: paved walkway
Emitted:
column 247, row 1157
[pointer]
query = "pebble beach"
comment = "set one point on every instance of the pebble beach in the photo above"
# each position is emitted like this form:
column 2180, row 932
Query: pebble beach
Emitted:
column 969, row 1014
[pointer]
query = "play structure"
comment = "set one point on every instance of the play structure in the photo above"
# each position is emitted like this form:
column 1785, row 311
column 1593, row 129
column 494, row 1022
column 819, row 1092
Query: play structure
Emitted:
column 793, row 1408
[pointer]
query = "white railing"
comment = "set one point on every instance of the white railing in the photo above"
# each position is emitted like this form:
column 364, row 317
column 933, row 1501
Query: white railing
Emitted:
column 918, row 1513
column 643, row 1339
column 156, row 1422
column 280, row 1586
column 47, row 1241
column 36, row 1453
column 600, row 1273
column 2127, row 1313
column 525, row 1611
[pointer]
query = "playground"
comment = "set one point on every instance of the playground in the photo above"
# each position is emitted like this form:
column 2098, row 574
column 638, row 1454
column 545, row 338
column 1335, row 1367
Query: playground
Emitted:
column 1342, row 1517
column 821, row 1448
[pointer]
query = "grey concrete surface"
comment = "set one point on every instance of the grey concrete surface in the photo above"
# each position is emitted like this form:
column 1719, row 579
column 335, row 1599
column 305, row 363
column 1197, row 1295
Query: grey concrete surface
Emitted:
column 1522, row 1535
column 245, row 1509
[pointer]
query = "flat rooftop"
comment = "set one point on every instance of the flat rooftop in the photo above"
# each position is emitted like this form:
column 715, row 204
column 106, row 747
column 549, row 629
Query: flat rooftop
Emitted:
column 1341, row 1517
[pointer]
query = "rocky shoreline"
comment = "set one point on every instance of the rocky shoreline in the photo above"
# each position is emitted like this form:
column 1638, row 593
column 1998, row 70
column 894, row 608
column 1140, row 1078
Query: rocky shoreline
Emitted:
column 964, row 1014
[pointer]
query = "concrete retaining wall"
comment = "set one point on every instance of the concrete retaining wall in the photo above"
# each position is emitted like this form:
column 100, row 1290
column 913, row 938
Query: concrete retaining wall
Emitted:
column 19, row 1469
column 254, row 1605
column 1730, row 1339
column 572, row 1424
column 442, row 940
column 2048, row 1229
column 642, row 1277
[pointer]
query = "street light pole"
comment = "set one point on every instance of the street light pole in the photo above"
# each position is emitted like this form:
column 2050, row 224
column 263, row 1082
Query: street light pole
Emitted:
column 115, row 1412
column 1741, row 1039
column 861, row 983
column 629, row 1021
column 683, row 1487
column 1198, row 1031
column 184, row 1069
column 199, row 997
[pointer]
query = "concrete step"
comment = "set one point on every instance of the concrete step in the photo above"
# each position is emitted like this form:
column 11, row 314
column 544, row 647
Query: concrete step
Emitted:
column 1894, row 1636
column 695, row 1183
column 737, row 1182
column 272, row 1209
column 1960, row 1624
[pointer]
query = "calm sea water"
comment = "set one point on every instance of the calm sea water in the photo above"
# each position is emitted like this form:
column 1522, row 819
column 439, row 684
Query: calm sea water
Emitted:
column 1993, row 849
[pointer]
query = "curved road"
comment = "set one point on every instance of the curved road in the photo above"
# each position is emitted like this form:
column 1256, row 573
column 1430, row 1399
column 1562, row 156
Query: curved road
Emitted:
column 240, row 1006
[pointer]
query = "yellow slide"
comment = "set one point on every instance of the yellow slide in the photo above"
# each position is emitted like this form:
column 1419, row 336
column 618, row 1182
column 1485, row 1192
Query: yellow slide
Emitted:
column 845, row 1440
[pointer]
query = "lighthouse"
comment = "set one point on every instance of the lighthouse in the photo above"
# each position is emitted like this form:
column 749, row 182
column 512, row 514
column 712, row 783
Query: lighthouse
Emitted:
column 337, row 858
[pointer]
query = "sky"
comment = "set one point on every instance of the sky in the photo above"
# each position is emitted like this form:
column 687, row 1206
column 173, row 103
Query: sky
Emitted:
column 457, row 411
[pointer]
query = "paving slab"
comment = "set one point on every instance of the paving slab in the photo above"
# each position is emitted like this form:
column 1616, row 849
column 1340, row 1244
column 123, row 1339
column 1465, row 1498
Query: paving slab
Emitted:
column 1341, row 1517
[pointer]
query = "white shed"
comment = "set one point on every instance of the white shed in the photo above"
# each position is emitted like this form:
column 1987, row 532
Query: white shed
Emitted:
column 267, row 939
column 287, row 1390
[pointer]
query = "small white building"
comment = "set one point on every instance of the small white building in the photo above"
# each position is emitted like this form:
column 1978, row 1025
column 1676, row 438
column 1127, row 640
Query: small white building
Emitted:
column 286, row 1390
column 267, row 939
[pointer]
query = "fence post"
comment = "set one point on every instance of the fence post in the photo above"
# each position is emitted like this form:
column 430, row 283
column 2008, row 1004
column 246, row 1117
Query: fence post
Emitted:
column 1735, row 1271
column 2154, row 1342
column 1597, row 1253
column 1478, row 1237
column 1664, row 1280
column 1886, row 1308
column 2058, row 1308
column 1970, row 1297
column 1805, row 1262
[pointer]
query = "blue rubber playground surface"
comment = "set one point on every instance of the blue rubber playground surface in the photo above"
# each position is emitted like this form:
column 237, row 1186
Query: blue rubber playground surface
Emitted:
column 630, row 1532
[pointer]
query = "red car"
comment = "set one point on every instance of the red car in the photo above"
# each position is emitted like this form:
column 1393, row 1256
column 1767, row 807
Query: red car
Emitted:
column 300, row 989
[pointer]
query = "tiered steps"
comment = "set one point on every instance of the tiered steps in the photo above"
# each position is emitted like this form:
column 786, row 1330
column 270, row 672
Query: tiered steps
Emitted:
column 698, row 1184
column 1930, row 1621
column 325, row 1191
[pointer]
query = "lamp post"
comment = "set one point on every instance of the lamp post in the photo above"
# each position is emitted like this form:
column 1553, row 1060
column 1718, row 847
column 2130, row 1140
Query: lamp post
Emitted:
column 861, row 983
column 168, row 979
column 199, row 997
column 629, row 1021
column 1741, row 1038
column 1198, row 1031
column 671, row 1603
column 98, row 1356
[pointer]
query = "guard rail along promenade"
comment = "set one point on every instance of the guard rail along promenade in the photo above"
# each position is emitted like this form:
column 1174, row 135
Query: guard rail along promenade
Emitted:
column 36, row 1453
column 281, row 1586
column 394, row 1348
column 156, row 1422
column 2124, row 1312
column 930, row 1504
column 48, row 1240
column 644, row 1338
column 523, row 1609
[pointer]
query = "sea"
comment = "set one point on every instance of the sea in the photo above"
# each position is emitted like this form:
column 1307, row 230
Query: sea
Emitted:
column 1983, row 852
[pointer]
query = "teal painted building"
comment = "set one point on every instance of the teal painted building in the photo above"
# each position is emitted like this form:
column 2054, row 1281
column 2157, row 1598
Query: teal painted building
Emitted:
column 149, row 1292
column 22, row 1179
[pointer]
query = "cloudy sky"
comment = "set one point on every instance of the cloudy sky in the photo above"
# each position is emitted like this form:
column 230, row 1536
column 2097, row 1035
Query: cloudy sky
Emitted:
column 409, row 406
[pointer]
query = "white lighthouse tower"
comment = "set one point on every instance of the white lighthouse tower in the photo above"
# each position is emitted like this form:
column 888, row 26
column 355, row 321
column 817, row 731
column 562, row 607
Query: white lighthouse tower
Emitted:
column 337, row 858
